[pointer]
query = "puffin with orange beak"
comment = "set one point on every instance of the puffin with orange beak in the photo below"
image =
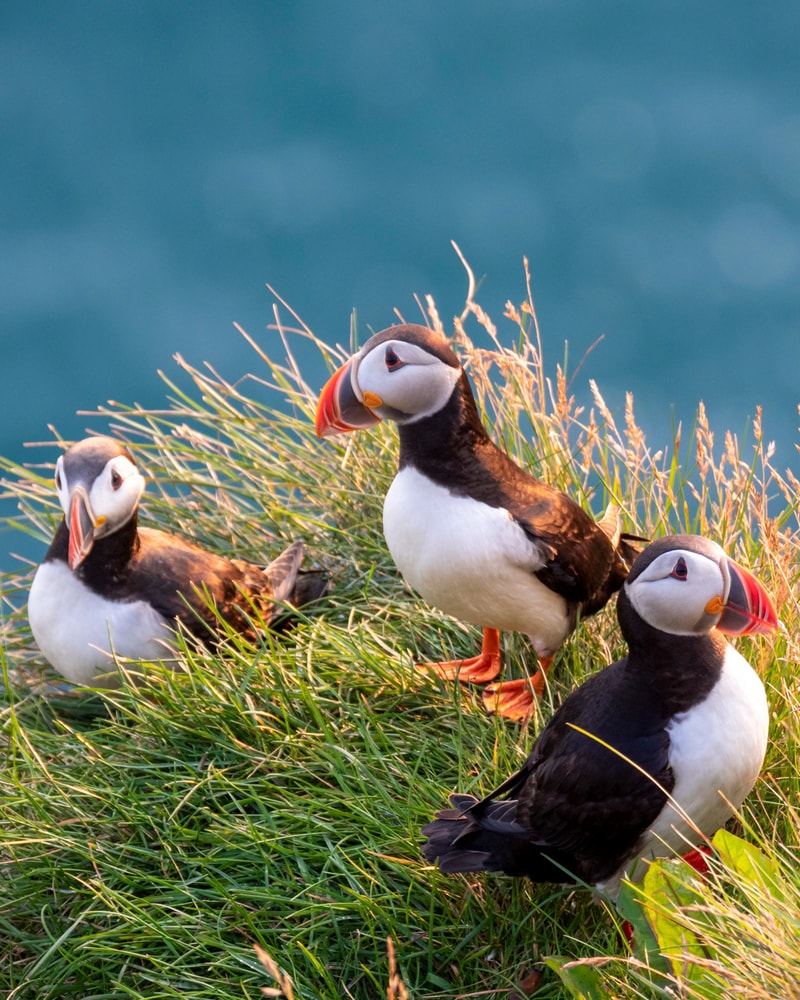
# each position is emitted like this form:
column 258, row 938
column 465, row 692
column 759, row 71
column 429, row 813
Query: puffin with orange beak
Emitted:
column 108, row 587
column 651, row 755
column 476, row 535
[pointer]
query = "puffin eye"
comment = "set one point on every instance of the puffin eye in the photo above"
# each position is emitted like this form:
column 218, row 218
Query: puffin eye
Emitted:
column 116, row 480
column 58, row 479
column 680, row 570
column 392, row 359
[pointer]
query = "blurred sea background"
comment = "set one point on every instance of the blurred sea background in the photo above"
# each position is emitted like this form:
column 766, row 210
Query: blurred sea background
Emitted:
column 162, row 161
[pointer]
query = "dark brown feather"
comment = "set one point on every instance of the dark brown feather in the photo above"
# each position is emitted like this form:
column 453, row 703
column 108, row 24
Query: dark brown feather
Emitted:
column 185, row 582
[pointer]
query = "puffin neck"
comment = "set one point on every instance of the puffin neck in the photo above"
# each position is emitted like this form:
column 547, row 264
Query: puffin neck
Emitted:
column 439, row 445
column 59, row 547
column 683, row 668
column 110, row 557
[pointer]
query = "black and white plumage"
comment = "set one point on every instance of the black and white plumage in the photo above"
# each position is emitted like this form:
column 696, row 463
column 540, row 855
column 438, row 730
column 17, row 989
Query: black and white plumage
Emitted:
column 677, row 732
column 110, row 587
column 477, row 536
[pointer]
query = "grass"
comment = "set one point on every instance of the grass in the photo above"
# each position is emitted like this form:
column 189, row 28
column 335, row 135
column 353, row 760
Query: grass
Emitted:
column 270, row 797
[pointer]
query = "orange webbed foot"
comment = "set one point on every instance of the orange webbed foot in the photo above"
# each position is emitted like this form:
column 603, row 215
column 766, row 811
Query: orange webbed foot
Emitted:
column 478, row 669
column 515, row 699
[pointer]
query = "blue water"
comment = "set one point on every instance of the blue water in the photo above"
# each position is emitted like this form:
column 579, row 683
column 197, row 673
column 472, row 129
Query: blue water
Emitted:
column 162, row 161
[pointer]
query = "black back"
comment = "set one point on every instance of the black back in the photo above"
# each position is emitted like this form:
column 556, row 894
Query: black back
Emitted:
column 599, row 773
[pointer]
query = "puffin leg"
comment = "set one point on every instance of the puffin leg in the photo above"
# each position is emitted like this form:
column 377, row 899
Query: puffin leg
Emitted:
column 477, row 669
column 698, row 859
column 515, row 699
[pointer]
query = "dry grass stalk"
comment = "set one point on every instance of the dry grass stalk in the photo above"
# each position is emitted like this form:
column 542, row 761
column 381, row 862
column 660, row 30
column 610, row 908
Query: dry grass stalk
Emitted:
column 284, row 987
column 396, row 990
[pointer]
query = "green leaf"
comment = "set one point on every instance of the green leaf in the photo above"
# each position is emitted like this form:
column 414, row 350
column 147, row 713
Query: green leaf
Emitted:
column 669, row 886
column 645, row 944
column 582, row 981
column 748, row 861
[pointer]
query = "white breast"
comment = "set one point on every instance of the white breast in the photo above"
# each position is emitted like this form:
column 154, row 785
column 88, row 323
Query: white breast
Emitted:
column 76, row 629
column 471, row 561
column 716, row 753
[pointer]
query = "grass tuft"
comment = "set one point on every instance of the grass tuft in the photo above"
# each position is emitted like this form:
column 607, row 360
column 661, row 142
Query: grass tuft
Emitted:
column 249, row 825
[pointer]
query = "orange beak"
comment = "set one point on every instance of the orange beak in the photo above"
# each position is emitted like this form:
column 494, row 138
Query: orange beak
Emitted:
column 81, row 527
column 749, row 609
column 339, row 410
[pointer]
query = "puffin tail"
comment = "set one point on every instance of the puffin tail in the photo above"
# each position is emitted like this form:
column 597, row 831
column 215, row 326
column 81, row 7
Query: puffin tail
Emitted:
column 627, row 546
column 292, row 585
column 311, row 586
column 477, row 836
column 611, row 524
column 630, row 546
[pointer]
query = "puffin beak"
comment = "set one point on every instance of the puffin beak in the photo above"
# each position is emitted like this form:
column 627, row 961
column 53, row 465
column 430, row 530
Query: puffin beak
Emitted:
column 339, row 409
column 748, row 610
column 81, row 527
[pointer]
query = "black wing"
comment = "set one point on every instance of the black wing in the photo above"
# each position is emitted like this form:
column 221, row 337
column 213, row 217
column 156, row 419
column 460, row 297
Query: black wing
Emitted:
column 188, row 583
column 598, row 775
column 579, row 554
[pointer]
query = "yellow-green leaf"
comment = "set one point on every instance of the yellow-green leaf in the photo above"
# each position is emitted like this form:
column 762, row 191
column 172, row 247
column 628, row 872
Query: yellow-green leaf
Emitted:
column 749, row 861
column 584, row 982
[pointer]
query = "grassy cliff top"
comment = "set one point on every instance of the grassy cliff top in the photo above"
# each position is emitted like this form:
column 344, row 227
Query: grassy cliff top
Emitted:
column 271, row 795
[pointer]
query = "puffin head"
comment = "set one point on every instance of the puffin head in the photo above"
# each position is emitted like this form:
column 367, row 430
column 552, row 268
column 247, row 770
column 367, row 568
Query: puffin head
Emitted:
column 99, row 488
column 686, row 585
column 403, row 373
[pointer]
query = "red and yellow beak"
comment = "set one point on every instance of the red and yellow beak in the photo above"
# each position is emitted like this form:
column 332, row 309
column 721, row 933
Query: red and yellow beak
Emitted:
column 82, row 524
column 748, row 609
column 339, row 408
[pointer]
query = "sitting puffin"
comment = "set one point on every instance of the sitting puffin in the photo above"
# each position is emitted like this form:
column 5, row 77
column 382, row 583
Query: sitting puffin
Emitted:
column 649, row 756
column 477, row 536
column 108, row 586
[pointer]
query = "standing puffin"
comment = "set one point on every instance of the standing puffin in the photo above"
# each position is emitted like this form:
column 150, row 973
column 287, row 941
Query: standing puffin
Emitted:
column 649, row 756
column 107, row 586
column 477, row 536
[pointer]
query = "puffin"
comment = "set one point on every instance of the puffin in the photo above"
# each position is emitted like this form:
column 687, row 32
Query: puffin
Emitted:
column 477, row 536
column 108, row 587
column 647, row 758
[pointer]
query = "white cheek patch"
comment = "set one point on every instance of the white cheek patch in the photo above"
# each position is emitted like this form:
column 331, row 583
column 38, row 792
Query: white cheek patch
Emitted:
column 430, row 394
column 424, row 402
column 673, row 605
column 419, row 387
column 116, row 506
column 653, row 605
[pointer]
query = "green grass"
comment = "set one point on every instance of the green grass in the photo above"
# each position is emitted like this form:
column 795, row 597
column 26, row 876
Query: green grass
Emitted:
column 272, row 795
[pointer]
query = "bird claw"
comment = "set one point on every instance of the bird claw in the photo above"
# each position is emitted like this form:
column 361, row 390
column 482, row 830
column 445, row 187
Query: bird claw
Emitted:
column 478, row 669
column 514, row 699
